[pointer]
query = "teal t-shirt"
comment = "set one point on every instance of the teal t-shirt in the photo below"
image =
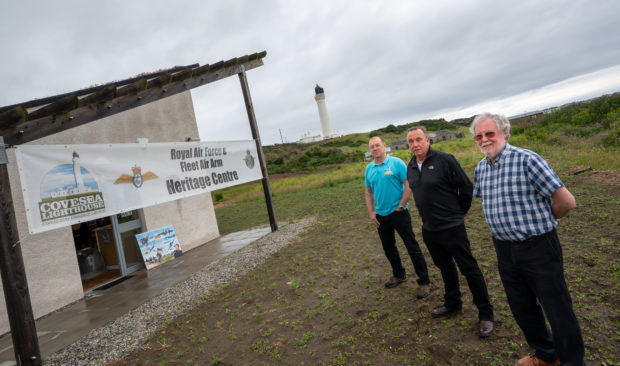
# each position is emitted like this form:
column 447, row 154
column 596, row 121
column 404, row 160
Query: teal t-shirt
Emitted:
column 386, row 182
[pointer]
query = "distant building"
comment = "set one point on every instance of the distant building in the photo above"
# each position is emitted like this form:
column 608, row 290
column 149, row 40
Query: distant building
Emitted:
column 441, row 135
column 306, row 138
column 534, row 114
column 399, row 145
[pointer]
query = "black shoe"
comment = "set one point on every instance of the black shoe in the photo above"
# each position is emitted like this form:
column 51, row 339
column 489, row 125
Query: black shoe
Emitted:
column 422, row 291
column 395, row 281
column 486, row 328
column 443, row 311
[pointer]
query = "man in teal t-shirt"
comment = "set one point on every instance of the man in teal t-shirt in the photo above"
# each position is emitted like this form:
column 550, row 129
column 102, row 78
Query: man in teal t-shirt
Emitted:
column 387, row 193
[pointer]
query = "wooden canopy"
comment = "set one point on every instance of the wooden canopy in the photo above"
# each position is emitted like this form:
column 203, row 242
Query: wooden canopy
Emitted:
column 24, row 122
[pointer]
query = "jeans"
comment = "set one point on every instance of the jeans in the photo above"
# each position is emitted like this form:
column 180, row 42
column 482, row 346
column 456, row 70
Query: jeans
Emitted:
column 401, row 222
column 532, row 273
column 447, row 247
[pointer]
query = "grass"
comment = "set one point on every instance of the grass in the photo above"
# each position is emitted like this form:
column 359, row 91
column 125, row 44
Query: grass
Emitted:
column 321, row 300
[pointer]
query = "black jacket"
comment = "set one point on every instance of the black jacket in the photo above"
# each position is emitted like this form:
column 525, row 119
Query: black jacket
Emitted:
column 442, row 191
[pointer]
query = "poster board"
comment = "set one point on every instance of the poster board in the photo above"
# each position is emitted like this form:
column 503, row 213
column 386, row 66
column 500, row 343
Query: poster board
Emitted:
column 159, row 246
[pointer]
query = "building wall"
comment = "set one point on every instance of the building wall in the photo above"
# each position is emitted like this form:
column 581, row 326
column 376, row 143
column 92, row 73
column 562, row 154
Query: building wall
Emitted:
column 443, row 135
column 49, row 258
column 399, row 145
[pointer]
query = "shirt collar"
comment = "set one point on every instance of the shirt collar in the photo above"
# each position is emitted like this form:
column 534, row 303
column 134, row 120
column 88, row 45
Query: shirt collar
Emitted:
column 501, row 156
column 429, row 153
column 383, row 162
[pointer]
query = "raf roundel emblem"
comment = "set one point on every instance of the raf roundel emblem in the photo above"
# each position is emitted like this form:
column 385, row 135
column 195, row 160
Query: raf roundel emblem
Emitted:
column 249, row 159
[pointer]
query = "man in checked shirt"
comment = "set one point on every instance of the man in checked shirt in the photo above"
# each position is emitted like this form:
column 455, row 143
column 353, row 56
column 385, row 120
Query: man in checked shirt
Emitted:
column 523, row 200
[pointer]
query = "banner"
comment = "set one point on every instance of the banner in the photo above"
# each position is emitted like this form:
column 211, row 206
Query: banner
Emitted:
column 68, row 184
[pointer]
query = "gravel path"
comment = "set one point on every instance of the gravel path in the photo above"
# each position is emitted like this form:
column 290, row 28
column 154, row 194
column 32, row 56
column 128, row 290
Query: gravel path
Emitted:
column 126, row 333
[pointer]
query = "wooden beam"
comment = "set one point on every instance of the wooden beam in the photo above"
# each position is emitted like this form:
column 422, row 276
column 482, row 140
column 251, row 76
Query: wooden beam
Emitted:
column 104, row 94
column 14, row 116
column 259, row 149
column 69, row 118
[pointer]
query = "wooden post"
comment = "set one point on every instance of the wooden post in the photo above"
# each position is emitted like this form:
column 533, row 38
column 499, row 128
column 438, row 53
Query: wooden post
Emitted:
column 259, row 148
column 18, row 307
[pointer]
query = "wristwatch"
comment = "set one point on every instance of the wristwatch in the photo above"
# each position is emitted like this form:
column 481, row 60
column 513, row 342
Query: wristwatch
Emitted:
column 402, row 208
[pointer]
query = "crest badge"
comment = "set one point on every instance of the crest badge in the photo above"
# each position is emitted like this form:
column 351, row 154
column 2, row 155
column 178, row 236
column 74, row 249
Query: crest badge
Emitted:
column 249, row 159
column 137, row 176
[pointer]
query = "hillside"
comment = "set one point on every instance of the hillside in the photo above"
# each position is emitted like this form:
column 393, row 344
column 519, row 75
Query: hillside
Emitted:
column 597, row 119
column 572, row 137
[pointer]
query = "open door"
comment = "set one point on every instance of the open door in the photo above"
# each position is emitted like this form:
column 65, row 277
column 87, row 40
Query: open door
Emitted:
column 107, row 249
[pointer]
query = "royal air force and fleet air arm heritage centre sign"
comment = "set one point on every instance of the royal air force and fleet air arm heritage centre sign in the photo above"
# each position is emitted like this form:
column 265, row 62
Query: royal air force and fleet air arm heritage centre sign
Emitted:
column 68, row 184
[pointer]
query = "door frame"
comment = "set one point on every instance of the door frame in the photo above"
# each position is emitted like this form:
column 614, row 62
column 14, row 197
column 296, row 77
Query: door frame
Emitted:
column 118, row 229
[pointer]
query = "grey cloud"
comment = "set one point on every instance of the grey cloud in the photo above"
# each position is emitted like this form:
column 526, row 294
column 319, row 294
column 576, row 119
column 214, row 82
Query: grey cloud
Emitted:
column 380, row 62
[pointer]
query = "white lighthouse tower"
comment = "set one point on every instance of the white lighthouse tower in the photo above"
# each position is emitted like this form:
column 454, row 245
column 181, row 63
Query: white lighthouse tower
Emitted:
column 77, row 173
column 326, row 125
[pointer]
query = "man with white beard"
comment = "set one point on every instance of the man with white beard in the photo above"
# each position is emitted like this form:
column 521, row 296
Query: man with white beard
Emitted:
column 523, row 200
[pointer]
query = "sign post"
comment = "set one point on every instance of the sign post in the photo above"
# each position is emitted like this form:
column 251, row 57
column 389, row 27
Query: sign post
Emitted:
column 18, row 307
column 259, row 148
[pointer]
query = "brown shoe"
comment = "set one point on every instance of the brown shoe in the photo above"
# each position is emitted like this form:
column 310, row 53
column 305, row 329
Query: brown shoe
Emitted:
column 443, row 311
column 395, row 281
column 422, row 291
column 486, row 328
column 535, row 361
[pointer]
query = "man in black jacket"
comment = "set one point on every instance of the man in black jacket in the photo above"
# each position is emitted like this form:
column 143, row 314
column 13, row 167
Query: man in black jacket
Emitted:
column 443, row 193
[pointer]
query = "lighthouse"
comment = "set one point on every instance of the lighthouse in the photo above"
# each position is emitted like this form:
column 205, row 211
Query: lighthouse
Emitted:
column 77, row 173
column 326, row 125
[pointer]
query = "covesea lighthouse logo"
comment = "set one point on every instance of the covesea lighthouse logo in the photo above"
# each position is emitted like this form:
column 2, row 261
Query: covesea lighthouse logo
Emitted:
column 69, row 190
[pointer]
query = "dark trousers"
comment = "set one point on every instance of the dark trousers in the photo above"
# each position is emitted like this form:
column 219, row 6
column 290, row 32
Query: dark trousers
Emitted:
column 401, row 222
column 533, row 276
column 447, row 247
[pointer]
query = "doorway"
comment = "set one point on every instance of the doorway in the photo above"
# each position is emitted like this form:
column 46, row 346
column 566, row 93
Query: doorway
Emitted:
column 107, row 249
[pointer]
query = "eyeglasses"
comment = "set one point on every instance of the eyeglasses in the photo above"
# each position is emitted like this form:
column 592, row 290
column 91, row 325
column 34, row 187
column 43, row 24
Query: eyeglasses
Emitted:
column 488, row 134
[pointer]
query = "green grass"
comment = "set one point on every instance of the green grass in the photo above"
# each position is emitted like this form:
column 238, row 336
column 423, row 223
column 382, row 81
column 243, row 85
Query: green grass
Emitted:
column 321, row 300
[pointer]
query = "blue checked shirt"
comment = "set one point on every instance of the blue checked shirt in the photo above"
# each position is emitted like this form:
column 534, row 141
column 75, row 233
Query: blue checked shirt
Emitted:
column 516, row 194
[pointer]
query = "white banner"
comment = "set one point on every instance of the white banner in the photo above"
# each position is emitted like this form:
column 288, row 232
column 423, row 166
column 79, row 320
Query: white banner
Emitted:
column 68, row 184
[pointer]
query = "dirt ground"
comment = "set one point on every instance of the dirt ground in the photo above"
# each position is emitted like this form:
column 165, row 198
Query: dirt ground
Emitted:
column 321, row 300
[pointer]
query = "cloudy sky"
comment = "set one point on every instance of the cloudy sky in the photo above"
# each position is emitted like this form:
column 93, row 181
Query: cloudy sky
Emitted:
column 380, row 62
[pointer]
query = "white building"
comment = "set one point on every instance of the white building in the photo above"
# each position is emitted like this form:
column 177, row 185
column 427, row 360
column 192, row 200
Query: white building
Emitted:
column 307, row 138
column 62, row 264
